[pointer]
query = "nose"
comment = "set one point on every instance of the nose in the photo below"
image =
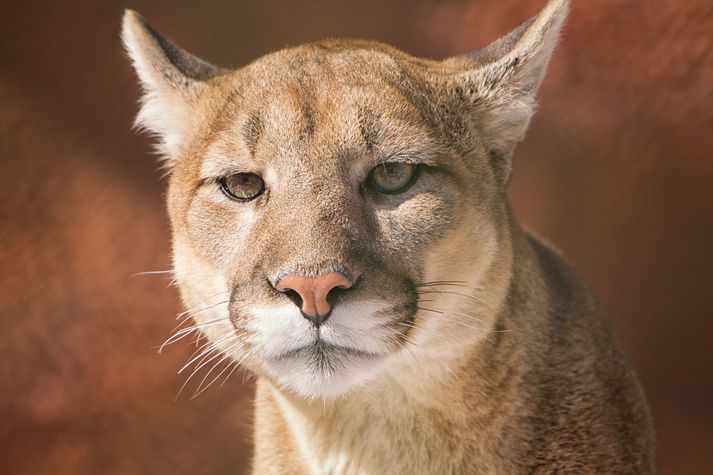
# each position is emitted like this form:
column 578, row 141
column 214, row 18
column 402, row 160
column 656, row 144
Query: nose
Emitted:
column 312, row 294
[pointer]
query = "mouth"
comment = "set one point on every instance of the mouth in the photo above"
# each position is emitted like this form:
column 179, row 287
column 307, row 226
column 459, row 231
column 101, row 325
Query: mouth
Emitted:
column 321, row 350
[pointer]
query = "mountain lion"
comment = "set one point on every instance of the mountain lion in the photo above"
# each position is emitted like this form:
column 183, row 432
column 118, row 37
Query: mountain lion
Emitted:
column 341, row 228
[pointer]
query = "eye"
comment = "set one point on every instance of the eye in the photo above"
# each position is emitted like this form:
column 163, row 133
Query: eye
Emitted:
column 393, row 178
column 242, row 186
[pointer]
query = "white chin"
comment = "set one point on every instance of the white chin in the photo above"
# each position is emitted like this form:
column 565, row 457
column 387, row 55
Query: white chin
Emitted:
column 328, row 375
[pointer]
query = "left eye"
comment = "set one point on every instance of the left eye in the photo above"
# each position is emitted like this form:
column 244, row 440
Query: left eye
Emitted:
column 242, row 186
column 392, row 178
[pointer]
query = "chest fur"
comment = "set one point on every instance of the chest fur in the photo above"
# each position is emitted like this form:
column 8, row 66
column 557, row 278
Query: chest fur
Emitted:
column 370, row 436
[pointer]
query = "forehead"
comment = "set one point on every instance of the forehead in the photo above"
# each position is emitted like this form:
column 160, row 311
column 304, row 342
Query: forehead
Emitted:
column 316, row 98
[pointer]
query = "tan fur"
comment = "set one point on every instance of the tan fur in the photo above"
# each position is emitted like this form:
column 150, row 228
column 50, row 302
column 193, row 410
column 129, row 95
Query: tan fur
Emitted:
column 480, row 349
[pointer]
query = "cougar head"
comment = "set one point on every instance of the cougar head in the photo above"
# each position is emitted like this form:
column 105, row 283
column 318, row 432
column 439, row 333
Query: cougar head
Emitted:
column 339, row 207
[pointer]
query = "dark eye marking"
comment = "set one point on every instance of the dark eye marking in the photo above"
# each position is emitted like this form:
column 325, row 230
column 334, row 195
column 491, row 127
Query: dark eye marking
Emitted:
column 310, row 121
column 368, row 127
column 252, row 130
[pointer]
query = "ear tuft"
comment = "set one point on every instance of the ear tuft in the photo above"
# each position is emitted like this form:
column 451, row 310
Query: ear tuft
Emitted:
column 171, row 78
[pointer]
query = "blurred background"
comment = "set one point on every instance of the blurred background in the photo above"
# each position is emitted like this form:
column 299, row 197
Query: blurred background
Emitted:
column 617, row 171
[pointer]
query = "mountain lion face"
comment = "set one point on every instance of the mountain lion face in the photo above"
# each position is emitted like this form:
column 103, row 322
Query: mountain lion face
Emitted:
column 336, row 207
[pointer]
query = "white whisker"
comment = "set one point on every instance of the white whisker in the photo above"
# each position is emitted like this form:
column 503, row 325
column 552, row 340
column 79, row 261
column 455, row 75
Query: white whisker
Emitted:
column 153, row 272
column 192, row 312
column 179, row 335
column 211, row 346
column 228, row 354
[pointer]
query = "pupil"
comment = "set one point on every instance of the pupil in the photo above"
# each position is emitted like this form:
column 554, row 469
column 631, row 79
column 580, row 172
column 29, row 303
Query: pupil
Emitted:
column 395, row 172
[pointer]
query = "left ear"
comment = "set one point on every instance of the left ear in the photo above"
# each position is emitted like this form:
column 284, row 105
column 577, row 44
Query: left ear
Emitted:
column 172, row 80
column 500, row 82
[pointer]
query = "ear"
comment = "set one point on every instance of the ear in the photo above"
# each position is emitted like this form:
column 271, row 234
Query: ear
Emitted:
column 172, row 81
column 500, row 82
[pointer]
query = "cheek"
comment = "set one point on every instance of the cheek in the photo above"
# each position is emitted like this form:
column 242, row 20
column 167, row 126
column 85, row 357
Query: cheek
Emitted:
column 204, row 290
column 219, row 228
column 410, row 228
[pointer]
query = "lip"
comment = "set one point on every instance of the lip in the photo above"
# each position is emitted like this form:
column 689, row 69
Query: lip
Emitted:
column 322, row 349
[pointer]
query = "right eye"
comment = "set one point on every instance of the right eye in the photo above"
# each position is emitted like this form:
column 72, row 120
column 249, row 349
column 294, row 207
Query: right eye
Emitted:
column 393, row 178
column 242, row 186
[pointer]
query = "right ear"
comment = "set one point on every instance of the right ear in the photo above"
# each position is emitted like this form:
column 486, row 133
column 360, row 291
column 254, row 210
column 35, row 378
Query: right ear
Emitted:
column 172, row 81
column 498, row 83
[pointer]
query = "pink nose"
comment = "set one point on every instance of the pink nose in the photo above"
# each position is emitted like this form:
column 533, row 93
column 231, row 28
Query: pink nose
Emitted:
column 313, row 292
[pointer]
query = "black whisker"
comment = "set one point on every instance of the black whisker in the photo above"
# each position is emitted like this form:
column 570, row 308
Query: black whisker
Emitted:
column 452, row 293
column 430, row 310
column 442, row 282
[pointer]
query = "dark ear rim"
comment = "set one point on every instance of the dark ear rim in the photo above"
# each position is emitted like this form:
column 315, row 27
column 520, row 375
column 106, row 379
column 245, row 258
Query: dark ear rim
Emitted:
column 183, row 62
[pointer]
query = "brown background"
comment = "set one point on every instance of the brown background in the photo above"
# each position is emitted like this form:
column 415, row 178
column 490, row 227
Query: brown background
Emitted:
column 617, row 171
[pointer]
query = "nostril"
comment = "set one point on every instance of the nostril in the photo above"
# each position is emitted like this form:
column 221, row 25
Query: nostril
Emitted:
column 335, row 294
column 294, row 296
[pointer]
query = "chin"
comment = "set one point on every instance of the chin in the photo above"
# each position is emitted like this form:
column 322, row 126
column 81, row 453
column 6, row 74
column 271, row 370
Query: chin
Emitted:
column 323, row 371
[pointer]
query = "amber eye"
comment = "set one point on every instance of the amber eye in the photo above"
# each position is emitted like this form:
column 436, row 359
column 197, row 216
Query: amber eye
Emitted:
column 242, row 186
column 393, row 178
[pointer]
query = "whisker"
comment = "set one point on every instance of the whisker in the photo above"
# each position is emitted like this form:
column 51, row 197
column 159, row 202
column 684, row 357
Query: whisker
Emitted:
column 198, row 349
column 458, row 314
column 202, row 363
column 429, row 310
column 454, row 293
column 464, row 323
column 189, row 378
column 436, row 282
column 227, row 354
column 191, row 312
column 186, row 319
column 212, row 346
column 443, row 283
column 246, row 375
column 408, row 340
column 204, row 300
column 206, row 353
column 411, row 325
column 188, row 330
column 153, row 272
column 236, row 365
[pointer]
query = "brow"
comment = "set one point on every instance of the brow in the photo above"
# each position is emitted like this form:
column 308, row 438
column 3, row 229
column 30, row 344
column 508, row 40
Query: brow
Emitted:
column 412, row 147
column 225, row 157
column 415, row 156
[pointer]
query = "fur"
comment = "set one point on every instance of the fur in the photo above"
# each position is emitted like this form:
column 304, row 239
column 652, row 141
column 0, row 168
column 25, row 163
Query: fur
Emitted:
column 468, row 346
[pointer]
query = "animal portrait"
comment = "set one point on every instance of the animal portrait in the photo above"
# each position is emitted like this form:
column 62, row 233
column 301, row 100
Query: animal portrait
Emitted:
column 415, row 236
column 340, row 228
